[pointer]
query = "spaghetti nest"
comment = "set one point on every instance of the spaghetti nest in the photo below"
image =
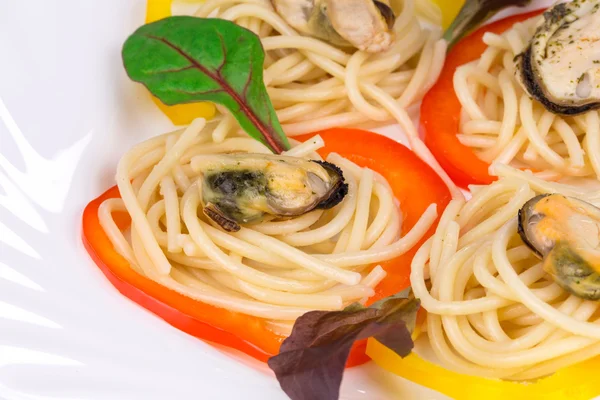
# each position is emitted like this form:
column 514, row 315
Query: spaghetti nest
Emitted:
column 503, row 124
column 277, row 269
column 492, row 309
column 314, row 85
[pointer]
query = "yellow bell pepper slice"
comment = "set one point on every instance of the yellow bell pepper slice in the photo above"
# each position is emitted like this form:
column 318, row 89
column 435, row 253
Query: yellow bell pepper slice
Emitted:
column 577, row 382
column 449, row 9
column 158, row 9
column 180, row 114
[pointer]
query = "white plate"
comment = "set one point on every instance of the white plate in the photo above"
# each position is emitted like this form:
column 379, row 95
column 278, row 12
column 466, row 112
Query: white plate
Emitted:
column 68, row 112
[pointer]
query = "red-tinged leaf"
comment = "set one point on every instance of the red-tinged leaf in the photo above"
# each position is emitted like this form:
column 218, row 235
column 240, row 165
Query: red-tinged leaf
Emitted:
column 310, row 364
column 186, row 59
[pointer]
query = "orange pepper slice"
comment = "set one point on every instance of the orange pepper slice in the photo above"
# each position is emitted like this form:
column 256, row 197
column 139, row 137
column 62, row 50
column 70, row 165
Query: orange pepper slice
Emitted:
column 440, row 110
column 413, row 182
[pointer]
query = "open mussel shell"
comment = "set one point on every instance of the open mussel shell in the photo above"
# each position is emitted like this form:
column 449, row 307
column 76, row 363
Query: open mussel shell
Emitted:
column 572, row 272
column 337, row 189
column 243, row 188
column 565, row 233
column 560, row 67
column 364, row 24
column 528, row 220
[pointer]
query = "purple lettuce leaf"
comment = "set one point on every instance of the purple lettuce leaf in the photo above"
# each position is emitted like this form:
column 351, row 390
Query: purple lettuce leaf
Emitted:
column 311, row 361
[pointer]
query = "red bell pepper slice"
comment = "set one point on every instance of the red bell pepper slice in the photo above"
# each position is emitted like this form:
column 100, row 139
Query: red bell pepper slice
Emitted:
column 440, row 109
column 413, row 182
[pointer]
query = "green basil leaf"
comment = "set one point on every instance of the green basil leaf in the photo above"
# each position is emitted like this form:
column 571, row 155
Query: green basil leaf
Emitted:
column 184, row 59
column 474, row 13
column 310, row 364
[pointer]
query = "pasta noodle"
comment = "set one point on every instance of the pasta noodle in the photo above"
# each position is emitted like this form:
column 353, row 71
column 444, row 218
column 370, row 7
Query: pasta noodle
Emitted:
column 503, row 124
column 315, row 86
column 492, row 310
column 277, row 269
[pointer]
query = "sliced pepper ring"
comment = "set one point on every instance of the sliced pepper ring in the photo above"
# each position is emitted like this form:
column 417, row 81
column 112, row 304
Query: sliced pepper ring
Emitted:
column 440, row 109
column 577, row 382
column 412, row 181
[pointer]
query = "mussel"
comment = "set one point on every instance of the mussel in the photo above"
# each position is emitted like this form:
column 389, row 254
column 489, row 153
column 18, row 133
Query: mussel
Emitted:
column 364, row 24
column 243, row 188
column 560, row 67
column 565, row 233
